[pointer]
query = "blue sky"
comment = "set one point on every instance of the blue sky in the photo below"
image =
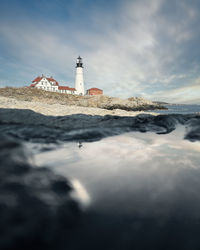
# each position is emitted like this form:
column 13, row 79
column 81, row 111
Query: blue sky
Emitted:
column 147, row 48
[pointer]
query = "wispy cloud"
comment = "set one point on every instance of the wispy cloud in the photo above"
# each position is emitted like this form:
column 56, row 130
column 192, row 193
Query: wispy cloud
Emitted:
column 135, row 48
column 186, row 94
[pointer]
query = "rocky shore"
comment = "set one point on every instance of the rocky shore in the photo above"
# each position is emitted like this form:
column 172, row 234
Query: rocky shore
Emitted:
column 36, row 206
column 32, row 95
column 57, row 109
column 36, row 115
column 40, row 208
column 31, row 126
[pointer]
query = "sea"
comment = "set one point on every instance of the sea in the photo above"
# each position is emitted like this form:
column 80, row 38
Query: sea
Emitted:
column 179, row 109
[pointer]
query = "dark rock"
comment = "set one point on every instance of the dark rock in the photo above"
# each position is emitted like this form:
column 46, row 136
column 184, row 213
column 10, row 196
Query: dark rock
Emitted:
column 36, row 209
column 193, row 129
column 41, row 128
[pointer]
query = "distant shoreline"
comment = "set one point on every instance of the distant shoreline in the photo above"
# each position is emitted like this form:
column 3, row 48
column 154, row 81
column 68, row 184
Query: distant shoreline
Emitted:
column 35, row 99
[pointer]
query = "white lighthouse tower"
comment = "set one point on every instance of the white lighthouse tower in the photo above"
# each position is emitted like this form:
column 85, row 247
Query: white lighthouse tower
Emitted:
column 79, row 77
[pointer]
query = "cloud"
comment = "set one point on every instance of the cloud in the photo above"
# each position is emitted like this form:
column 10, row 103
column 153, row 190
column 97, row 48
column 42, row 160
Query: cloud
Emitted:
column 186, row 94
column 139, row 48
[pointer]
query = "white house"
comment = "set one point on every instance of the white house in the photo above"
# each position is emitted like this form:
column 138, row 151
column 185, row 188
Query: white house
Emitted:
column 50, row 84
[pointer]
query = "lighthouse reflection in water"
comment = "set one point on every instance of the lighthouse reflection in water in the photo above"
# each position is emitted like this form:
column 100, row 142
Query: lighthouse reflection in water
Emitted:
column 140, row 189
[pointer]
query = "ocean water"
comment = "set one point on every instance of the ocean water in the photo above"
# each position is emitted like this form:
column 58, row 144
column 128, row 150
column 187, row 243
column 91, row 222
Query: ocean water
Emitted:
column 137, row 190
column 179, row 109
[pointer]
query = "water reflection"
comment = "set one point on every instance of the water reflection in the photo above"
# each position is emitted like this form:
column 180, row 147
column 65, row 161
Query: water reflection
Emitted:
column 143, row 190
column 80, row 145
column 80, row 193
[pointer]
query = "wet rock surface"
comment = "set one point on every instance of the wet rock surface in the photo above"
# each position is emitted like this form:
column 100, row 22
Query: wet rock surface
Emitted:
column 29, row 125
column 36, row 209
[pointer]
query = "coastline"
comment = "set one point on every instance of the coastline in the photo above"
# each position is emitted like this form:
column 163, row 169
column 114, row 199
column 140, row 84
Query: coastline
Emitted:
column 63, row 109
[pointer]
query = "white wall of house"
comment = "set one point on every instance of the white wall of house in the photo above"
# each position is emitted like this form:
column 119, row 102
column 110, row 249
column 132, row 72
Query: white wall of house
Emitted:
column 47, row 85
column 66, row 91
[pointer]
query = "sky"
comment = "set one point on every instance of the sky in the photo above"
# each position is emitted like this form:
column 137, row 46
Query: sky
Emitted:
column 144, row 48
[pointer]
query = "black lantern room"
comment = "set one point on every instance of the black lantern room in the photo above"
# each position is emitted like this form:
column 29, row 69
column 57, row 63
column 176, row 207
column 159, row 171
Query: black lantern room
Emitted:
column 79, row 62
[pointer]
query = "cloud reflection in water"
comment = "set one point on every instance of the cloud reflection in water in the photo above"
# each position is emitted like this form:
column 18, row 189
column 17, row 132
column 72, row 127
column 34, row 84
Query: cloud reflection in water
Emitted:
column 146, row 185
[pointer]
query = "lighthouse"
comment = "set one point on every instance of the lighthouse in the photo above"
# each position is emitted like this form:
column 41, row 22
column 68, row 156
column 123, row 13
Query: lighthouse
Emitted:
column 79, row 77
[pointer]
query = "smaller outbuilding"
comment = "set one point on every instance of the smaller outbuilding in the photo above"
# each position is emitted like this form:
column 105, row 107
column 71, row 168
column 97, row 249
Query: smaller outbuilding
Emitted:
column 94, row 91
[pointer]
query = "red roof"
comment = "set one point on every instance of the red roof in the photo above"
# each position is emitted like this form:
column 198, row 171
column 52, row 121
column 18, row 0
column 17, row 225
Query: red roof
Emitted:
column 53, row 80
column 95, row 89
column 37, row 79
column 50, row 79
column 66, row 88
